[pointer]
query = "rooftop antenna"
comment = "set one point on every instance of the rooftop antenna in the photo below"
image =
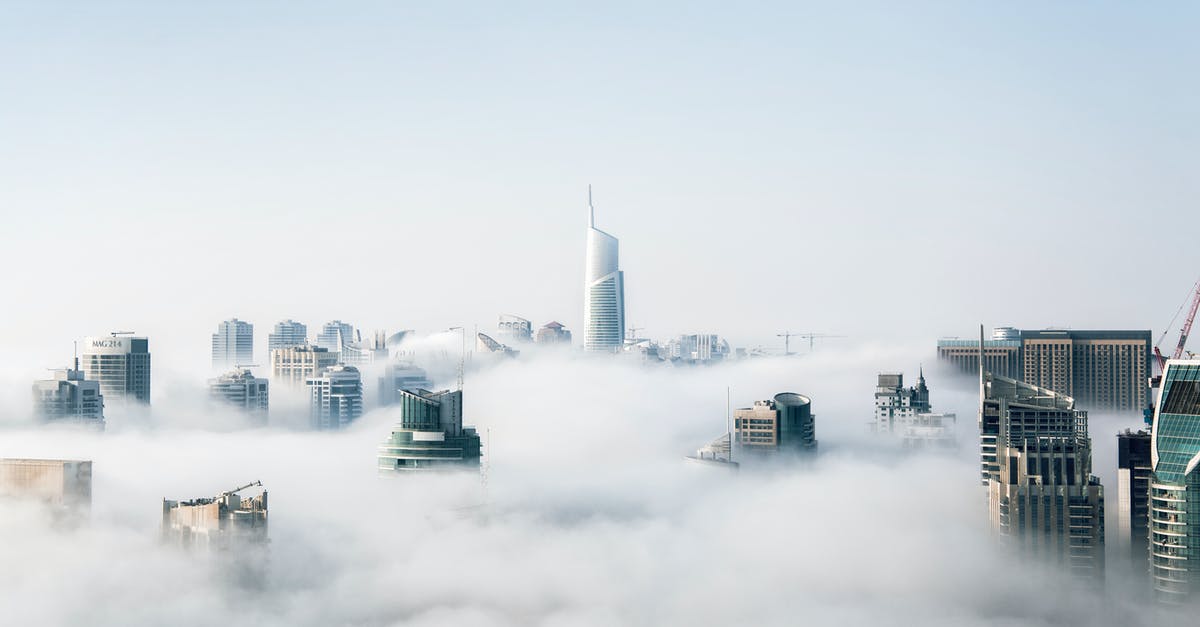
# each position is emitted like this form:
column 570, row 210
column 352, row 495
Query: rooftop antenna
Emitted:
column 76, row 351
column 591, row 209
column 728, row 420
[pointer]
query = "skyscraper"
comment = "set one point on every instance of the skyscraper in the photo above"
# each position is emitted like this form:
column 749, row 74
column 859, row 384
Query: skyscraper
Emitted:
column 784, row 424
column 335, row 397
column 243, row 390
column 121, row 364
column 401, row 375
column 1134, row 467
column 430, row 435
column 334, row 335
column 603, row 291
column 1175, row 485
column 233, row 344
column 69, row 397
column 287, row 334
column 908, row 412
column 294, row 365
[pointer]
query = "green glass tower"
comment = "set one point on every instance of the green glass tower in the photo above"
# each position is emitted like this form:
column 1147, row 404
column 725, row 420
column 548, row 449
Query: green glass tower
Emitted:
column 1175, row 485
column 430, row 435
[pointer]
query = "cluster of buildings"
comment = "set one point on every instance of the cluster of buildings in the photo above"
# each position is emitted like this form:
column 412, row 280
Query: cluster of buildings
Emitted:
column 779, row 428
column 908, row 414
column 114, row 369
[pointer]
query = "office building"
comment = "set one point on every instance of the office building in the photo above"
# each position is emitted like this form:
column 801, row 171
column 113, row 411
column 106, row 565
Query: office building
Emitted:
column 695, row 348
column 69, row 398
column 430, row 435
column 65, row 485
column 1037, row 466
column 603, row 291
column 931, row 430
column 243, row 390
column 553, row 333
column 226, row 523
column 1100, row 369
column 335, row 397
column 784, row 424
column 398, row 376
column 1175, row 486
column 294, row 365
column 233, row 344
column 121, row 365
column 287, row 334
column 334, row 335
column 907, row 412
column 1134, row 468
column 514, row 329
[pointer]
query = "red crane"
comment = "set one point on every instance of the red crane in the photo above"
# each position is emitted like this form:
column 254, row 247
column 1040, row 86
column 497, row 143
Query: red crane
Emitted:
column 1183, row 333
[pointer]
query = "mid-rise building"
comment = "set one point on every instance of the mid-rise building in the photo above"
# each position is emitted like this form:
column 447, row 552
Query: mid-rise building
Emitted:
column 698, row 348
column 401, row 376
column 1134, row 469
column 287, row 334
column 514, row 329
column 553, row 333
column 121, row 365
column 233, row 344
column 430, row 435
column 603, row 291
column 1100, row 369
column 1175, row 485
column 486, row 344
column 225, row 523
column 69, row 397
column 334, row 335
column 907, row 412
column 784, row 424
column 63, row 484
column 294, row 365
column 336, row 397
column 1037, row 466
column 243, row 390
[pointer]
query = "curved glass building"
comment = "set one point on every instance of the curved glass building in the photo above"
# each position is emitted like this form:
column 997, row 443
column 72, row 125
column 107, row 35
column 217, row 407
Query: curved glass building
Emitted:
column 430, row 435
column 1175, row 485
column 604, row 291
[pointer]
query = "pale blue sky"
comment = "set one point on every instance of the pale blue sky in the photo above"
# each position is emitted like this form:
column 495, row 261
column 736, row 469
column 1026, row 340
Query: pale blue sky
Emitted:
column 878, row 169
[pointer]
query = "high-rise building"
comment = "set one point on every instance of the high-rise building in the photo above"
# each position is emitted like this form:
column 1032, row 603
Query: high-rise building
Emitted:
column 336, row 397
column 553, row 333
column 1134, row 468
column 1100, row 369
column 65, row 485
column 233, row 344
column 334, row 335
column 1037, row 466
column 69, row 397
column 294, row 365
column 514, row 329
column 907, row 412
column 241, row 389
column 121, row 364
column 784, row 424
column 398, row 376
column 1175, row 485
column 226, row 523
column 287, row 334
column 603, row 291
column 430, row 435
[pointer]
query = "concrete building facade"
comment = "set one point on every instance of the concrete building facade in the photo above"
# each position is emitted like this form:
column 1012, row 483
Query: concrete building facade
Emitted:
column 553, row 333
column 294, row 365
column 227, row 522
column 69, row 397
column 121, row 365
column 287, row 334
column 784, row 424
column 233, row 344
column 243, row 390
column 335, row 396
column 63, row 485
column 514, row 329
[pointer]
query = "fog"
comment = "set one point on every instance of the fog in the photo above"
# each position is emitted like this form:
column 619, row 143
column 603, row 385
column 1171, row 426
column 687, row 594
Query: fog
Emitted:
column 589, row 514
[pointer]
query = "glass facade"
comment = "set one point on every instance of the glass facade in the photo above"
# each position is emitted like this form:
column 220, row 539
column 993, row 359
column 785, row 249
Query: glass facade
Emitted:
column 1175, row 485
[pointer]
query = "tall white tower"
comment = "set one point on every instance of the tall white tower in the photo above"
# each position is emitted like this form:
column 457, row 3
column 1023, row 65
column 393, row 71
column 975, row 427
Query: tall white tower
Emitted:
column 604, row 290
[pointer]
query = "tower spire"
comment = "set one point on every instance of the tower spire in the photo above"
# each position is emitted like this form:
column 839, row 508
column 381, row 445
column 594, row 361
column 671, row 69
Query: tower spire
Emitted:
column 591, row 209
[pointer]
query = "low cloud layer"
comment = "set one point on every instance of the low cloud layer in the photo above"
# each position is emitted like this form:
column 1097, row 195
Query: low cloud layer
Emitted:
column 588, row 516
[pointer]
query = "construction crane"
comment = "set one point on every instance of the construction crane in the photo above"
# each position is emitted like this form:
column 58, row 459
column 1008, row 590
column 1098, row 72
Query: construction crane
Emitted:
column 116, row 333
column 1183, row 332
column 236, row 490
column 812, row 337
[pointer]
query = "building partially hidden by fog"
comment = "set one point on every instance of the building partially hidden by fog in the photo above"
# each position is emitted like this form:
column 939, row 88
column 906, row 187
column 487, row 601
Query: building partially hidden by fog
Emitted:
column 1037, row 466
column 334, row 335
column 233, row 344
column 287, row 334
column 243, row 390
column 783, row 425
column 1175, row 486
column 486, row 344
column 69, row 398
column 1134, row 470
column 603, row 291
column 121, row 364
column 335, row 397
column 294, row 365
column 226, row 522
column 401, row 376
column 514, row 329
column 718, row 453
column 553, row 333
column 430, row 435
column 64, row 485
column 908, row 413
column 696, row 348
column 1100, row 369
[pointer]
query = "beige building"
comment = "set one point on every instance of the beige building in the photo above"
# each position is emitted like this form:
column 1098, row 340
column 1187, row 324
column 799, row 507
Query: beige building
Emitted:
column 61, row 483
column 295, row 364
column 226, row 521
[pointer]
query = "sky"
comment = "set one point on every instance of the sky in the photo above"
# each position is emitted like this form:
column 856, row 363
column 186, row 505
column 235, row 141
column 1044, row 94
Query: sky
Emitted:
column 892, row 173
